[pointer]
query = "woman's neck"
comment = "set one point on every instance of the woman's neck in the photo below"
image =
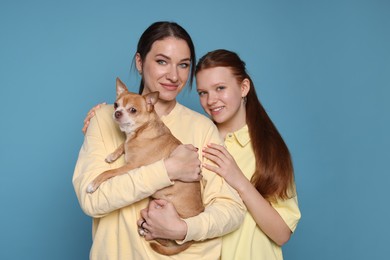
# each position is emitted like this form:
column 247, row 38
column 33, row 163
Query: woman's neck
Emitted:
column 163, row 107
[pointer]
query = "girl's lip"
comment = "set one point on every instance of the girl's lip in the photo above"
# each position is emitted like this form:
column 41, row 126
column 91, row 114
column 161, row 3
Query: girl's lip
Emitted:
column 216, row 109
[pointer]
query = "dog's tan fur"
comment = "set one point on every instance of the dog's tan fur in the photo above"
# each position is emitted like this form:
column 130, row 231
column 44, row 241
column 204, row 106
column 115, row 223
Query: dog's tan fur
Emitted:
column 149, row 140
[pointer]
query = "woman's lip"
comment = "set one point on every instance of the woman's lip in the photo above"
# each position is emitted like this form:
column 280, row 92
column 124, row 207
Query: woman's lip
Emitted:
column 170, row 86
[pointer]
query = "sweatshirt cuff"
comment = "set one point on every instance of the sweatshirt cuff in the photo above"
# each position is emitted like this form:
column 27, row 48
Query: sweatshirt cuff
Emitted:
column 160, row 177
column 192, row 233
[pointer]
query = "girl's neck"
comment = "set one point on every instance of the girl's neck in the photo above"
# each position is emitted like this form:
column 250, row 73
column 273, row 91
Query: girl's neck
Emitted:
column 236, row 122
column 225, row 128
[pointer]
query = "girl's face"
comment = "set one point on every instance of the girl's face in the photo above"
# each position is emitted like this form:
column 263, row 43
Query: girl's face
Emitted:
column 221, row 97
column 165, row 68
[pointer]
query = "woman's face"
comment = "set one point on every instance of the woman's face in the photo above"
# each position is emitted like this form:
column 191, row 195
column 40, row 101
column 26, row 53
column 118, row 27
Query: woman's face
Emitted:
column 165, row 68
column 221, row 96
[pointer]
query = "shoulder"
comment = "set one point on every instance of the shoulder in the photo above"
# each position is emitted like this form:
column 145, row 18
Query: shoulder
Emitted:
column 194, row 116
column 192, row 127
column 104, row 123
column 105, row 111
column 104, row 116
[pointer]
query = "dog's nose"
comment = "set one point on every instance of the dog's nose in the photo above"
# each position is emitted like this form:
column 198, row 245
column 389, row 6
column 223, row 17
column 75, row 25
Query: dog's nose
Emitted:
column 118, row 114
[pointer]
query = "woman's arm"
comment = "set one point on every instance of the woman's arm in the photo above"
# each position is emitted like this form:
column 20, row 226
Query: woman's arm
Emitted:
column 265, row 216
column 224, row 209
column 102, row 137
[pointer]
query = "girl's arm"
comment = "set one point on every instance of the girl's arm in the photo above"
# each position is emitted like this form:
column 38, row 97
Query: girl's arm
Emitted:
column 265, row 216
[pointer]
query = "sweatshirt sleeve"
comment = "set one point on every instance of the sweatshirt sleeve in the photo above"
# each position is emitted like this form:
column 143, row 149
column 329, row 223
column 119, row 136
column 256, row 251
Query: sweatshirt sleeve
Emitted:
column 103, row 137
column 224, row 210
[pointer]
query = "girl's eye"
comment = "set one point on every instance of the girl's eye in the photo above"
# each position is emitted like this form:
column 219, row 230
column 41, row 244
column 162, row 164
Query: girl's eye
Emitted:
column 201, row 93
column 115, row 105
column 161, row 62
column 220, row 88
column 132, row 110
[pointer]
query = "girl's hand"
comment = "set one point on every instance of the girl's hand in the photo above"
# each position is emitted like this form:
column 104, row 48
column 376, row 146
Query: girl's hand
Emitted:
column 225, row 165
column 160, row 220
column 91, row 113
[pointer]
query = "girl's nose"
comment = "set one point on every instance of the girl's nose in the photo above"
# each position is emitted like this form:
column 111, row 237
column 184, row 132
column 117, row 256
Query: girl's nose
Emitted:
column 212, row 99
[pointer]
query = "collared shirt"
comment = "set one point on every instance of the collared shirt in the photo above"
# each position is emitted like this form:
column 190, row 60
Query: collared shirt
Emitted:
column 249, row 241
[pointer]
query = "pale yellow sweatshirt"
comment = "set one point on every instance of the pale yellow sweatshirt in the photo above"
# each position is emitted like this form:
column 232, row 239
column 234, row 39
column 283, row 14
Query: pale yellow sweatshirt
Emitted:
column 115, row 206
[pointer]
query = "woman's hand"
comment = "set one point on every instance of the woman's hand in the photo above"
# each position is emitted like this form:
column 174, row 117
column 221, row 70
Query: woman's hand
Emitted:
column 91, row 113
column 160, row 220
column 225, row 165
column 183, row 164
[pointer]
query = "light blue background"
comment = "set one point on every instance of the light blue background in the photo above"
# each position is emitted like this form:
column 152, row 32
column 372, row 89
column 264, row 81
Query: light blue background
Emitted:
column 321, row 68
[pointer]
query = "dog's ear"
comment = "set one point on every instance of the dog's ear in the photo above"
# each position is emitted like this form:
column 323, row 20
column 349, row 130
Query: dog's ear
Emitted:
column 120, row 87
column 151, row 99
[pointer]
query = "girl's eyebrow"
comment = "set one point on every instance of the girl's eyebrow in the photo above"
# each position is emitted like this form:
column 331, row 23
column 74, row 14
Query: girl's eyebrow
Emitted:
column 219, row 84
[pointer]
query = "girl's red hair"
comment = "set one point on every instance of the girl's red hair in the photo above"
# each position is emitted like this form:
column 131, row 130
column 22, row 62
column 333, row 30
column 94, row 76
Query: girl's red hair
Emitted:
column 274, row 173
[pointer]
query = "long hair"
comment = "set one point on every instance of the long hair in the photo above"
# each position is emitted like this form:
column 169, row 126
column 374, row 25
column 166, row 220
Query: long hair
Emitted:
column 274, row 174
column 159, row 31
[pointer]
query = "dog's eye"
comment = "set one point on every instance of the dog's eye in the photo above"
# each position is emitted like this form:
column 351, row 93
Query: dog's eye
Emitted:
column 115, row 105
column 132, row 110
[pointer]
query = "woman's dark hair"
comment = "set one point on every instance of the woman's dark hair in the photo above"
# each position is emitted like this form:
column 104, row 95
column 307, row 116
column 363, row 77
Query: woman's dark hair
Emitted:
column 159, row 31
column 274, row 173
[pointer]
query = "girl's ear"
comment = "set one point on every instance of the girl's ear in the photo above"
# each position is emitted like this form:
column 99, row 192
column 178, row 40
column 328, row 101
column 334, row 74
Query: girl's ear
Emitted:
column 138, row 62
column 245, row 87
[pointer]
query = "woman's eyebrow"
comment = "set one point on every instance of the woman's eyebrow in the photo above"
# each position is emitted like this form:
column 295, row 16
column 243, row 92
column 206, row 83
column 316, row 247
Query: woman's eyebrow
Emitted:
column 168, row 58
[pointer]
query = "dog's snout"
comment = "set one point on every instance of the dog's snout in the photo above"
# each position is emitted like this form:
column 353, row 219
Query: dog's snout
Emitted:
column 118, row 114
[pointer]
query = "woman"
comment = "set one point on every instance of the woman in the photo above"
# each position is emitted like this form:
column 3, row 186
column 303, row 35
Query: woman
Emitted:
column 165, row 59
column 256, row 161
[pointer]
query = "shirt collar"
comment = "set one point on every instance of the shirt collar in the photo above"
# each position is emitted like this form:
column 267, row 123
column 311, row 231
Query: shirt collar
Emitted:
column 241, row 135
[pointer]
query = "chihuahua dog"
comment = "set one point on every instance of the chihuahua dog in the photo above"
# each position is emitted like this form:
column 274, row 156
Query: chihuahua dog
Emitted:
column 149, row 140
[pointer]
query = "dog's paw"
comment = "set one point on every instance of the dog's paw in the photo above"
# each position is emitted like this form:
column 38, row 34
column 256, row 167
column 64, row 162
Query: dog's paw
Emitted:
column 110, row 158
column 91, row 188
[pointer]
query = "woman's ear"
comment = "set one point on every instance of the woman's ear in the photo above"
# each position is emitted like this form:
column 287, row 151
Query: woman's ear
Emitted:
column 138, row 62
column 245, row 87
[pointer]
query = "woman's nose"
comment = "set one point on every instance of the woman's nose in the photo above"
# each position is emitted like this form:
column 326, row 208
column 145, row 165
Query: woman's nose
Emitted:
column 172, row 74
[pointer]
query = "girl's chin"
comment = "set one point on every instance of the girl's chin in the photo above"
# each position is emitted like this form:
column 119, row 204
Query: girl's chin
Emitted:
column 217, row 119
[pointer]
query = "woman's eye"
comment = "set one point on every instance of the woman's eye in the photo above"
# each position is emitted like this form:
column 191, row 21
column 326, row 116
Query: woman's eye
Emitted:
column 201, row 93
column 184, row 65
column 220, row 88
column 161, row 62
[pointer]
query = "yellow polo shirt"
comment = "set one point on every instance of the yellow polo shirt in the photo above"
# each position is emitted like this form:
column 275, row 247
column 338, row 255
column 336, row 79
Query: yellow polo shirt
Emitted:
column 249, row 242
column 115, row 206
